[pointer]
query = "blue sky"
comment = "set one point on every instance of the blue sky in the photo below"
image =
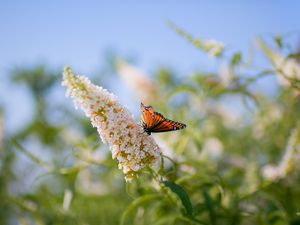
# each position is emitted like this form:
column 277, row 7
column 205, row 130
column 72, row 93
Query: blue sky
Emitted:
column 78, row 32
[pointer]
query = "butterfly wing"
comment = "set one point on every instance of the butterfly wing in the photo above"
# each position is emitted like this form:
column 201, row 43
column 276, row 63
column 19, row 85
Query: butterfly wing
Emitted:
column 156, row 122
column 147, row 116
column 165, row 125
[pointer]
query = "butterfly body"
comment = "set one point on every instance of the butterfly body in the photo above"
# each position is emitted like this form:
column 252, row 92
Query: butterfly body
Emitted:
column 154, row 122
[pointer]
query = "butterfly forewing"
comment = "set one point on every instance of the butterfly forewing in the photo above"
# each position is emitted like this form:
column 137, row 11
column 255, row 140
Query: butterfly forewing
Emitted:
column 147, row 116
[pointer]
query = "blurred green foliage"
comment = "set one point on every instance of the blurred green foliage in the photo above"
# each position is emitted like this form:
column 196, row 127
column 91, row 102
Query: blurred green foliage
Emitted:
column 235, row 163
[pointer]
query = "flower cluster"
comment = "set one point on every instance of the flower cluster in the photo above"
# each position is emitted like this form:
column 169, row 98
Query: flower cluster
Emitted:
column 288, row 69
column 288, row 162
column 132, row 147
column 213, row 48
column 138, row 81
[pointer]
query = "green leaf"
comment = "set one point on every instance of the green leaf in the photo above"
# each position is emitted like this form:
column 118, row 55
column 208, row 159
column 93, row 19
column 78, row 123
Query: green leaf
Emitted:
column 127, row 216
column 236, row 58
column 210, row 207
column 162, row 165
column 181, row 32
column 278, row 40
column 199, row 208
column 165, row 220
column 181, row 193
column 295, row 55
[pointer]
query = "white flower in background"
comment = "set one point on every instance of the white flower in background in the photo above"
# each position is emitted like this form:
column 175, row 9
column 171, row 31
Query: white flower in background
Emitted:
column 226, row 74
column 68, row 195
column 231, row 117
column 271, row 173
column 130, row 145
column 251, row 181
column 289, row 161
column 213, row 48
column 144, row 88
column 212, row 149
column 288, row 69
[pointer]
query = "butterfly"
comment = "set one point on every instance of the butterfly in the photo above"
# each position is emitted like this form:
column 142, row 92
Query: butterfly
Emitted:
column 154, row 122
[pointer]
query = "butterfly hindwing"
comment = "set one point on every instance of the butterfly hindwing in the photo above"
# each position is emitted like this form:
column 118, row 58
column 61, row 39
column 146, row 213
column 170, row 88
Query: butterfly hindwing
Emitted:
column 158, row 119
column 167, row 125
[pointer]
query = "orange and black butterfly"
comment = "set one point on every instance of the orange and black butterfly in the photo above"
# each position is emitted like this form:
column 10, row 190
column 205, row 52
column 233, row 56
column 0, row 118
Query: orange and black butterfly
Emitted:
column 154, row 122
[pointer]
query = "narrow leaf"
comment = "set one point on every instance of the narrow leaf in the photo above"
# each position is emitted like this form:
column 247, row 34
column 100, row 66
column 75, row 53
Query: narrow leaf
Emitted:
column 278, row 40
column 236, row 59
column 181, row 193
column 210, row 207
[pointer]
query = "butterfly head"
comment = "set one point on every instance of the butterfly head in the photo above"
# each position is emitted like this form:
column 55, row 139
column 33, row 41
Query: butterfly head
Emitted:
column 145, row 109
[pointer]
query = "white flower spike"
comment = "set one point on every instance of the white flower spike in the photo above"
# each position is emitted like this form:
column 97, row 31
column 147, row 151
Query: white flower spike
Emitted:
column 132, row 147
column 144, row 88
